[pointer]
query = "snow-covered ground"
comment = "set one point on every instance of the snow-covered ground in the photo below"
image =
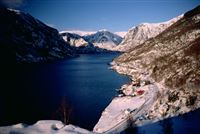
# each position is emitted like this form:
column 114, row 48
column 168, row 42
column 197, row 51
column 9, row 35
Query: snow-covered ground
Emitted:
column 119, row 114
column 44, row 127
column 123, row 111
column 117, row 111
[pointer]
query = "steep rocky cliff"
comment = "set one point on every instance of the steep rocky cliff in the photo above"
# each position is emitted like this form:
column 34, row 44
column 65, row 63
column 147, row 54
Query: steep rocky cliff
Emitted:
column 26, row 39
column 139, row 34
column 171, row 59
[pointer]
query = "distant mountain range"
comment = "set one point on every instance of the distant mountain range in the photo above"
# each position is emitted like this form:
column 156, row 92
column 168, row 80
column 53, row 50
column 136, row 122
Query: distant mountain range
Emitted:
column 84, row 33
column 78, row 32
column 26, row 39
column 102, row 39
column 124, row 41
column 80, row 45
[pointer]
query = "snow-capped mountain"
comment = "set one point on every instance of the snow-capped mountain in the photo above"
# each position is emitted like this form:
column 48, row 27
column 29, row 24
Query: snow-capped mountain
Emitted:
column 121, row 34
column 104, row 39
column 73, row 39
column 81, row 46
column 170, row 61
column 26, row 39
column 79, row 32
column 139, row 34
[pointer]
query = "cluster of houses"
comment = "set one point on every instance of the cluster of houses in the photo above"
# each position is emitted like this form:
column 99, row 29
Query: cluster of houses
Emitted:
column 134, row 88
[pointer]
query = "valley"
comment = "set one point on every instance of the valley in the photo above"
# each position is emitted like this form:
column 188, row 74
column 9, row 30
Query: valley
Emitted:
column 110, row 81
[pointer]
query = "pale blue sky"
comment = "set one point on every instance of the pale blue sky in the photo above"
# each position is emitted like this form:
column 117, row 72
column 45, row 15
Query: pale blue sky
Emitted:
column 114, row 15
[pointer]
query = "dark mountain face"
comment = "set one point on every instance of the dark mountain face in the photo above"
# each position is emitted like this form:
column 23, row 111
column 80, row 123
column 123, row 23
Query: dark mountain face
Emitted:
column 26, row 39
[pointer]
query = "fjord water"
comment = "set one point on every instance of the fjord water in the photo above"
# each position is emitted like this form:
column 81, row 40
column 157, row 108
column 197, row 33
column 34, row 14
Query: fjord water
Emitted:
column 35, row 92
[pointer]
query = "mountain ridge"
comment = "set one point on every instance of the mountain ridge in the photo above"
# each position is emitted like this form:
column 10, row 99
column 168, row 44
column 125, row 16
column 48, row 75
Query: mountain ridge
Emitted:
column 80, row 44
column 142, row 32
column 171, row 60
column 102, row 39
column 24, row 38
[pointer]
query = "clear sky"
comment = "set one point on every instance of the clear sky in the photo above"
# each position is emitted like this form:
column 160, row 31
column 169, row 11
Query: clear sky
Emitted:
column 92, row 15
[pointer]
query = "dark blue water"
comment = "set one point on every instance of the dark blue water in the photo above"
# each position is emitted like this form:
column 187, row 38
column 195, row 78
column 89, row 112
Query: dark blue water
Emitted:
column 35, row 92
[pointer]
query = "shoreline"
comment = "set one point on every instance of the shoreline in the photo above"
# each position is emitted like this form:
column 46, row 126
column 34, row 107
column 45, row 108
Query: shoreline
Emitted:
column 134, row 91
column 169, row 100
column 154, row 115
column 112, row 89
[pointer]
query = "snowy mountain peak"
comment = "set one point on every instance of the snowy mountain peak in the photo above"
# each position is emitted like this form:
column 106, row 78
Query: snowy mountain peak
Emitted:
column 104, row 39
column 95, row 36
column 73, row 39
column 122, row 33
column 173, row 20
column 169, row 22
column 103, row 30
column 139, row 34
column 79, row 32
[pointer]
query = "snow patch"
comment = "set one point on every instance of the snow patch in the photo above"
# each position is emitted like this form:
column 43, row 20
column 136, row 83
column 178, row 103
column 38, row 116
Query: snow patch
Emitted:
column 44, row 127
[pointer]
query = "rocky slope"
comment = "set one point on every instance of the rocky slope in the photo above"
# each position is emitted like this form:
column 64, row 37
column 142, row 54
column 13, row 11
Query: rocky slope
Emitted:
column 139, row 34
column 26, row 39
column 104, row 39
column 171, row 59
column 81, row 46
column 73, row 39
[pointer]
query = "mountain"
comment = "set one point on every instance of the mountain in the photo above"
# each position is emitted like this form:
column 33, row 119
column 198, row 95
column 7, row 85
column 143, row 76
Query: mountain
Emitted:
column 104, row 39
column 139, row 34
column 79, row 32
column 26, row 39
column 170, row 60
column 73, row 39
column 121, row 34
column 81, row 46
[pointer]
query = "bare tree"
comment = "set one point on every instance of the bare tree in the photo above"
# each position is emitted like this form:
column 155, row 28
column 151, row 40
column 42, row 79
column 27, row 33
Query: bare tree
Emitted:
column 63, row 112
